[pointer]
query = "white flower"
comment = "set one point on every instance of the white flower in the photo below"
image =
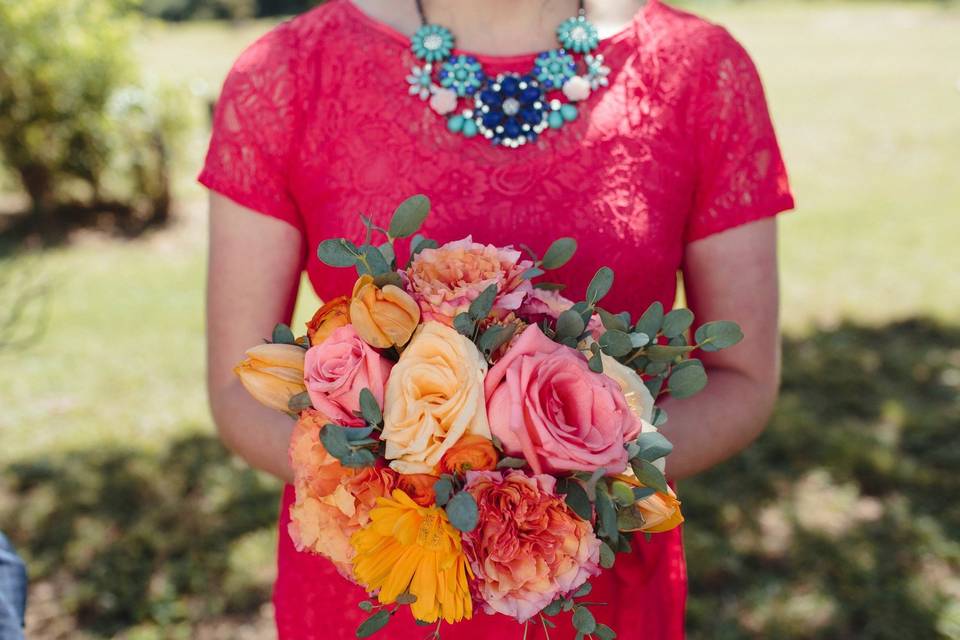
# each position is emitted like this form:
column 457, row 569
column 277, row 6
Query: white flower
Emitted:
column 443, row 101
column 576, row 88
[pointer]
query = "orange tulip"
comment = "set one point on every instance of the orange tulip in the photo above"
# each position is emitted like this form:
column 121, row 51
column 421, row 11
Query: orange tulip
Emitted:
column 660, row 511
column 273, row 373
column 383, row 317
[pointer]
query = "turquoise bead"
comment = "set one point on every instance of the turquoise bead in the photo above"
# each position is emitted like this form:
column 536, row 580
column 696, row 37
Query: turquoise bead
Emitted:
column 469, row 128
column 455, row 123
column 555, row 120
column 569, row 112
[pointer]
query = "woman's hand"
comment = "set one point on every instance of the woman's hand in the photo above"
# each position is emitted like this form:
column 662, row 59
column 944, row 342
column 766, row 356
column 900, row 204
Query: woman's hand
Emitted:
column 253, row 274
column 729, row 276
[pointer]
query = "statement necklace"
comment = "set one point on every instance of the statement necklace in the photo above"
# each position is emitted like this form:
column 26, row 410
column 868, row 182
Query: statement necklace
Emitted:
column 509, row 109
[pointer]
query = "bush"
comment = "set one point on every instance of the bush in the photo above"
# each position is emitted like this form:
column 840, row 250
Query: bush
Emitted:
column 219, row 9
column 68, row 129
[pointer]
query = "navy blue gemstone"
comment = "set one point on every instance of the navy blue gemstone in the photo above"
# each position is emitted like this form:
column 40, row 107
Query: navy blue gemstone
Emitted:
column 491, row 119
column 532, row 136
column 511, row 128
column 531, row 116
column 547, row 83
column 530, row 94
column 509, row 85
column 443, row 74
column 489, row 96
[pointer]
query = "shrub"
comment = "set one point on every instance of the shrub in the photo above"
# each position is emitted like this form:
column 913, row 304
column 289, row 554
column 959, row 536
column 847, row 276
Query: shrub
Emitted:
column 68, row 129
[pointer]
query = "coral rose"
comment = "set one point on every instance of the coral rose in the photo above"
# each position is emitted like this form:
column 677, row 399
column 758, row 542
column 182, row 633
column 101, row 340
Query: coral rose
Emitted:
column 272, row 374
column 545, row 405
column 419, row 486
column 445, row 280
column 384, row 317
column 434, row 397
column 328, row 318
column 528, row 547
column 471, row 453
column 337, row 370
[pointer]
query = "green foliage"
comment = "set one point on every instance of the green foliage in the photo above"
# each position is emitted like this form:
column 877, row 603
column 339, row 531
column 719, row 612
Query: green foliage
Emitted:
column 463, row 511
column 223, row 9
column 75, row 125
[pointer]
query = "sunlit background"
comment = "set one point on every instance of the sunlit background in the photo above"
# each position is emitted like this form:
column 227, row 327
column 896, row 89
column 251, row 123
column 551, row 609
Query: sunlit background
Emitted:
column 842, row 522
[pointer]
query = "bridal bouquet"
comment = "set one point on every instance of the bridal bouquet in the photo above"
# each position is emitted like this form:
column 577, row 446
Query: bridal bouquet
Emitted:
column 467, row 438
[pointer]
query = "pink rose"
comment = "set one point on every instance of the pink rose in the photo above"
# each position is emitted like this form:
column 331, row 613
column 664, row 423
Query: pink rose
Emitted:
column 545, row 404
column 338, row 369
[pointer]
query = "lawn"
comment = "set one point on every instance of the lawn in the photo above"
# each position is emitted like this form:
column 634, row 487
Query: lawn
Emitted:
column 843, row 525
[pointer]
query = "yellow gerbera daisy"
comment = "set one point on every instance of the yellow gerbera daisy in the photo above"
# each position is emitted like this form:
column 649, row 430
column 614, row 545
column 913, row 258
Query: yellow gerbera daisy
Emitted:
column 407, row 547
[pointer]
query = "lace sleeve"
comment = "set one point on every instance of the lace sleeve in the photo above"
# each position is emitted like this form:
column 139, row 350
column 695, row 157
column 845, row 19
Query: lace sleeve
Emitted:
column 254, row 125
column 740, row 172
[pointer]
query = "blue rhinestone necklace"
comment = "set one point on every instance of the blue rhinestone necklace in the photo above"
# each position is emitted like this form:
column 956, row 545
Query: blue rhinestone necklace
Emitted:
column 509, row 109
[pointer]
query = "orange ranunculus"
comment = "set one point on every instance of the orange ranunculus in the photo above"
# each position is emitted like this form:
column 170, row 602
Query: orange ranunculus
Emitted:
column 419, row 486
column 273, row 373
column 383, row 317
column 470, row 453
column 328, row 318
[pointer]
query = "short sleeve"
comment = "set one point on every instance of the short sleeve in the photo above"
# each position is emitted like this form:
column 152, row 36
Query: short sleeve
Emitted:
column 254, row 128
column 740, row 174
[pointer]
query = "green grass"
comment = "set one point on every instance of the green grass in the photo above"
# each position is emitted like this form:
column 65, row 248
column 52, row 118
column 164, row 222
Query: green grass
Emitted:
column 105, row 432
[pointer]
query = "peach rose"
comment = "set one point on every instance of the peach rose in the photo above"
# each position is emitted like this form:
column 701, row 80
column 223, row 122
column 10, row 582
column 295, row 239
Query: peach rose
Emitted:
column 419, row 486
column 434, row 397
column 529, row 547
column 471, row 453
column 337, row 370
column 272, row 374
column 545, row 405
column 384, row 317
column 445, row 280
column 329, row 317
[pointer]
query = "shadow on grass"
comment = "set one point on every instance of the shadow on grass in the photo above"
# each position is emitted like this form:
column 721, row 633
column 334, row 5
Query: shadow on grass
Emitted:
column 841, row 522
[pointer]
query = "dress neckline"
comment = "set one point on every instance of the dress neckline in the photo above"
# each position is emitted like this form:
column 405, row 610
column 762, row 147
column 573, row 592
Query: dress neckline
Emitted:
column 496, row 60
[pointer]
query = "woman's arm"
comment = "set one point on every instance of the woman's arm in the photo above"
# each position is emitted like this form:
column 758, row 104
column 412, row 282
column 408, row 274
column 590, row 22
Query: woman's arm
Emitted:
column 729, row 276
column 254, row 269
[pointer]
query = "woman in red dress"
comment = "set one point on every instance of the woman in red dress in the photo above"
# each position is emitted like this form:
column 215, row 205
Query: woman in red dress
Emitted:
column 670, row 165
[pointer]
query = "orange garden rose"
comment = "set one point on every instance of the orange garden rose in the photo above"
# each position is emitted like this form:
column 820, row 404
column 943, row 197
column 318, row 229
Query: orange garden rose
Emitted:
column 313, row 467
column 384, row 317
column 528, row 547
column 272, row 374
column 419, row 486
column 445, row 280
column 329, row 317
column 470, row 453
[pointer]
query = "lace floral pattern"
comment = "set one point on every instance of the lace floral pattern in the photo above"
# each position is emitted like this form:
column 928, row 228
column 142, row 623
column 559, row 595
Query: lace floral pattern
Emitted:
column 315, row 124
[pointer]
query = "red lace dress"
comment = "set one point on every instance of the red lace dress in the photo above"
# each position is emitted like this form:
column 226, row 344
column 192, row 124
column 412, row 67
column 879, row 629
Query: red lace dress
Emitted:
column 315, row 125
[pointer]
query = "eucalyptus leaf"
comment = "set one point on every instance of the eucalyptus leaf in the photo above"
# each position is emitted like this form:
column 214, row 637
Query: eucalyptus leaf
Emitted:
column 409, row 216
column 462, row 511
column 584, row 590
column 664, row 353
column 334, row 440
column 442, row 489
column 464, row 324
column 532, row 273
column 356, row 435
column 678, row 341
column 583, row 620
column 595, row 363
column 576, row 498
column 652, row 446
column 570, row 324
column 366, row 605
column 369, row 407
column 553, row 608
column 607, row 556
column 559, row 253
column 386, row 249
column 649, row 475
column 656, row 368
column 654, row 385
column 613, row 321
column 282, row 335
column 375, row 265
column 721, row 334
column 390, row 277
column 676, row 322
column 358, row 458
column 616, row 343
column 483, row 303
column 630, row 519
column 338, row 252
column 600, row 285
column 406, row 598
column 494, row 338
column 687, row 379
column 603, row 632
column 550, row 286
column 419, row 243
column 638, row 340
column 622, row 493
column 651, row 320
column 299, row 402
column 606, row 513
column 659, row 416
column 511, row 463
column 639, row 493
column 374, row 623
